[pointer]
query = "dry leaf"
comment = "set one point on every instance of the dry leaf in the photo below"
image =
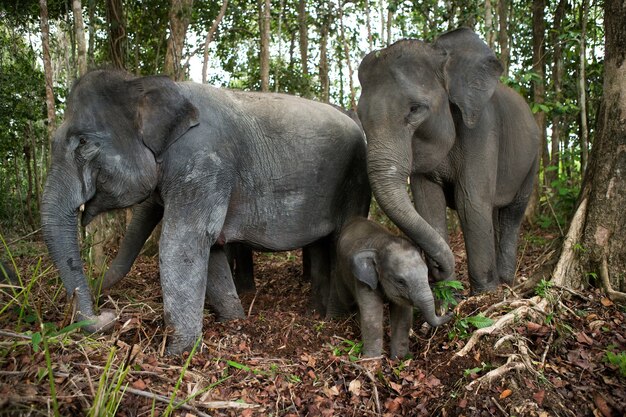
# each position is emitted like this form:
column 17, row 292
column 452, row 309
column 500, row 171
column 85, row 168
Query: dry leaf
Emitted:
column 355, row 387
column 539, row 396
column 505, row 393
column 606, row 302
column 581, row 337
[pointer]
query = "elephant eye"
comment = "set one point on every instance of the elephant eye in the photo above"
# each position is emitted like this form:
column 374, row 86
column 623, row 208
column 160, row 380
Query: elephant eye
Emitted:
column 414, row 108
column 401, row 282
column 82, row 140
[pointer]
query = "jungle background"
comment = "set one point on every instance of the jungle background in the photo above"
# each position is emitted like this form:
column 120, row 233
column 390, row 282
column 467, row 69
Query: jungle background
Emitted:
column 555, row 345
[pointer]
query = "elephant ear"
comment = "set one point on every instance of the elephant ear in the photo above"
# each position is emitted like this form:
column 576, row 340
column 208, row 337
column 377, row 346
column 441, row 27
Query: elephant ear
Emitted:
column 164, row 114
column 471, row 72
column 364, row 267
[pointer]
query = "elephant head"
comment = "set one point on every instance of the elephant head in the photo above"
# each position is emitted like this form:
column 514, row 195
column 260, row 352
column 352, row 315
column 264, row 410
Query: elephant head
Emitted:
column 104, row 156
column 412, row 95
column 402, row 274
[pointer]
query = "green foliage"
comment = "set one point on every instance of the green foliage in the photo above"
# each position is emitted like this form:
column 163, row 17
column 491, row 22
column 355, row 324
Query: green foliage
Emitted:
column 618, row 360
column 463, row 328
column 349, row 348
column 543, row 288
column 111, row 388
column 444, row 291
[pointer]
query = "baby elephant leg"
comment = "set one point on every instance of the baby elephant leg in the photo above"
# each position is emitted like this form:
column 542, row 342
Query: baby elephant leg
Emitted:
column 371, row 318
column 401, row 318
column 221, row 295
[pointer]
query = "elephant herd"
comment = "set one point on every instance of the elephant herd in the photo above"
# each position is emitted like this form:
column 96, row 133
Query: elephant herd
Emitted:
column 274, row 172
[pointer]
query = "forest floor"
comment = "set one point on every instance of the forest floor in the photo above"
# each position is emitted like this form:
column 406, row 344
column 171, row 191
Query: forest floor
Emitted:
column 284, row 361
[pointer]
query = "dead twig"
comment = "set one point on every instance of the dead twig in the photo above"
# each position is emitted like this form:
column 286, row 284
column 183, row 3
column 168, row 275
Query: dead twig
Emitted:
column 369, row 376
column 499, row 407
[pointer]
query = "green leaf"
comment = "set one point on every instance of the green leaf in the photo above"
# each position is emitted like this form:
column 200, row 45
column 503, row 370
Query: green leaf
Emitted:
column 36, row 339
column 479, row 321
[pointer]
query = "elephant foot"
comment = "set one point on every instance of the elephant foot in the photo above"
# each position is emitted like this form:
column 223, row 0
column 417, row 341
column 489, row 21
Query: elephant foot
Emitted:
column 100, row 323
column 180, row 343
column 222, row 318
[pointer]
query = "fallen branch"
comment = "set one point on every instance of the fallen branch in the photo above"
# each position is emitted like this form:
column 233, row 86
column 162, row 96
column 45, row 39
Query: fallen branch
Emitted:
column 208, row 404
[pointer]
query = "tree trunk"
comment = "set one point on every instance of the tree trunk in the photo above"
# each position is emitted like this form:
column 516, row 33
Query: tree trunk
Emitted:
column 303, row 30
column 264, row 58
column 503, row 35
column 346, row 51
column 209, row 39
column 584, row 132
column 323, row 68
column 389, row 22
column 599, row 225
column 368, row 20
column 491, row 35
column 180, row 14
column 47, row 65
column 117, row 33
column 91, row 12
column 279, row 35
column 79, row 33
column 557, row 76
column 539, row 94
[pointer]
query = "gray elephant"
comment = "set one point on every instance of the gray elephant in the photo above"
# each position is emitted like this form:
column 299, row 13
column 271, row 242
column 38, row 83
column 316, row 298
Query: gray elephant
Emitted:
column 369, row 255
column 7, row 274
column 275, row 172
column 438, row 115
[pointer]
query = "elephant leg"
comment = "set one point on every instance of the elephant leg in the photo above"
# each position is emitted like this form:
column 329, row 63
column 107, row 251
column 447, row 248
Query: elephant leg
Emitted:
column 476, row 216
column 221, row 294
column 371, row 320
column 242, row 267
column 509, row 222
column 401, row 320
column 145, row 218
column 306, row 264
column 430, row 202
column 183, row 261
column 320, row 253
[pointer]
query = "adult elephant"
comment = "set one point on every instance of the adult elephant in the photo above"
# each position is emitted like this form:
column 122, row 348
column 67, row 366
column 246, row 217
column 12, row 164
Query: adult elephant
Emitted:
column 272, row 171
column 438, row 115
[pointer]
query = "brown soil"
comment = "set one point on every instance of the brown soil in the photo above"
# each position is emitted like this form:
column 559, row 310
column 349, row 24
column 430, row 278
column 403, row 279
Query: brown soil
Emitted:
column 284, row 361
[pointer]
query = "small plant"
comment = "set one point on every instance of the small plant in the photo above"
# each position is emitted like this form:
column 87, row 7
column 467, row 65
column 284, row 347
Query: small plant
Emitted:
column 475, row 371
column 350, row 348
column 543, row 288
column 618, row 360
column 463, row 327
column 444, row 292
column 111, row 388
column 171, row 406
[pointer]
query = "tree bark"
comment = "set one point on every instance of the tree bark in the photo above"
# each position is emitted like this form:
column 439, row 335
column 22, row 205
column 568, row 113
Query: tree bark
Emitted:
column 368, row 21
column 346, row 51
column 303, row 30
column 582, row 95
column 180, row 14
column 491, row 35
column 47, row 65
column 264, row 58
column 79, row 33
column 503, row 35
column 557, row 76
column 209, row 39
column 600, row 246
column 323, row 67
column 117, row 33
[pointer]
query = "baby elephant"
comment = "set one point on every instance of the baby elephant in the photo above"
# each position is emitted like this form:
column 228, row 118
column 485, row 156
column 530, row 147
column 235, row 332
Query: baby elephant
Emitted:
column 374, row 266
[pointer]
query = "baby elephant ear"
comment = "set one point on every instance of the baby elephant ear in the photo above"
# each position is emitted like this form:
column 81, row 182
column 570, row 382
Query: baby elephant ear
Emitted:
column 364, row 267
column 164, row 114
column 471, row 72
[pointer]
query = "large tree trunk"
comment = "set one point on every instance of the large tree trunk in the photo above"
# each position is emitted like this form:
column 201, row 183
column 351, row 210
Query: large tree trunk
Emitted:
column 117, row 33
column 323, row 68
column 180, row 14
column 209, row 39
column 582, row 101
column 264, row 57
column 346, row 51
column 303, row 30
column 47, row 65
column 557, row 75
column 503, row 35
column 79, row 33
column 599, row 225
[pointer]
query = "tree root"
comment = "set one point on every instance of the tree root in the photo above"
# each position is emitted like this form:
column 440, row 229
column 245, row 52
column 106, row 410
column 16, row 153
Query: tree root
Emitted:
column 525, row 308
column 615, row 296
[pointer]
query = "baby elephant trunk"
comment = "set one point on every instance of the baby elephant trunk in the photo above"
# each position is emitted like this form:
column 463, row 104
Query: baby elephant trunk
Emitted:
column 426, row 303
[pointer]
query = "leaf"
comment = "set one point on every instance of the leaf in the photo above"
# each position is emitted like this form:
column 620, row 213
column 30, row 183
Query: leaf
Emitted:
column 581, row 337
column 505, row 393
column 606, row 302
column 36, row 340
column 355, row 387
column 539, row 396
column 479, row 321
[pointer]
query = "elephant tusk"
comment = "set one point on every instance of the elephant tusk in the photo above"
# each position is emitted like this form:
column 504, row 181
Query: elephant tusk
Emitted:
column 81, row 208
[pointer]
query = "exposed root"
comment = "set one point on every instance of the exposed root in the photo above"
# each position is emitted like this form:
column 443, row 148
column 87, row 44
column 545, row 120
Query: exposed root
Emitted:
column 615, row 296
column 535, row 304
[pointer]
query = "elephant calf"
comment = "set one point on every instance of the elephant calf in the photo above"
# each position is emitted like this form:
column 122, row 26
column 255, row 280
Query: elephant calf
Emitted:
column 368, row 254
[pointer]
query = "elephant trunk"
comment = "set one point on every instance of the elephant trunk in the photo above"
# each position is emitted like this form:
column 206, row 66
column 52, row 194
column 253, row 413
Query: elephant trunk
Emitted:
column 388, row 170
column 59, row 220
column 425, row 301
